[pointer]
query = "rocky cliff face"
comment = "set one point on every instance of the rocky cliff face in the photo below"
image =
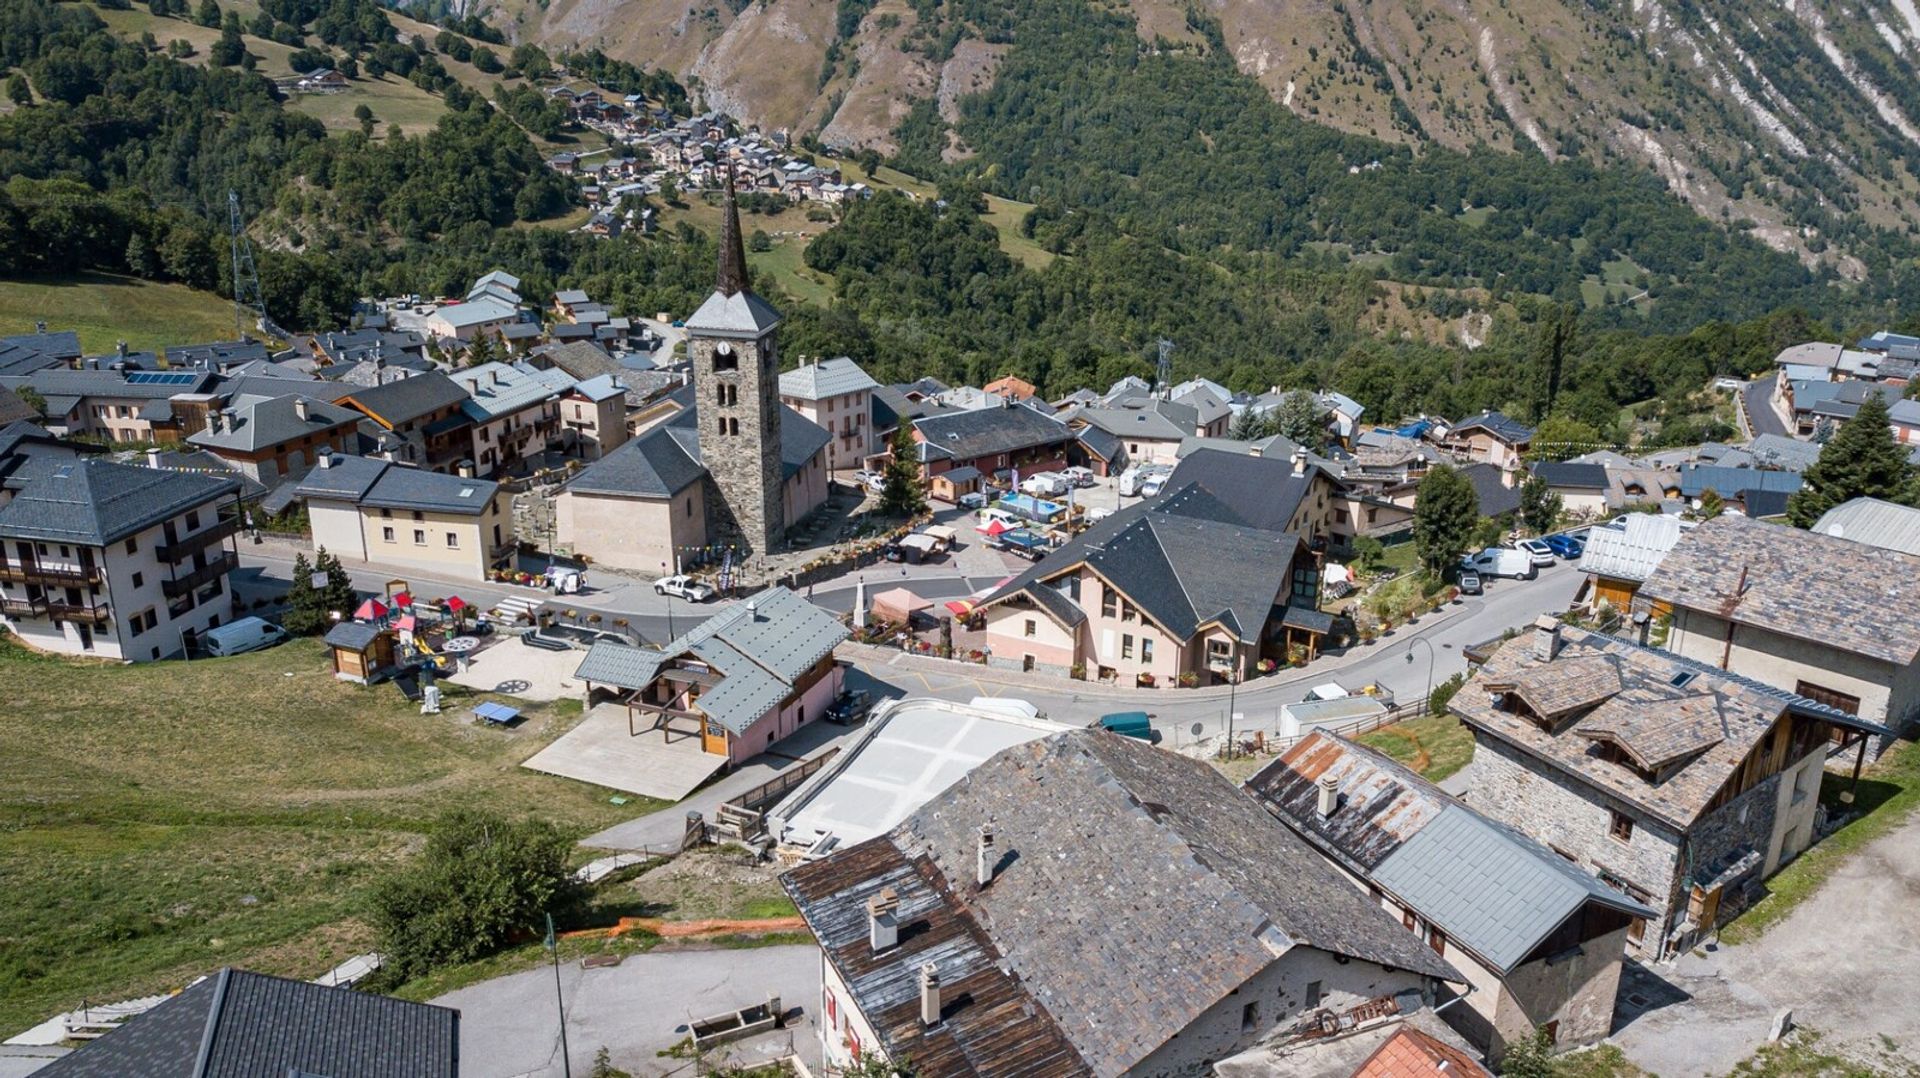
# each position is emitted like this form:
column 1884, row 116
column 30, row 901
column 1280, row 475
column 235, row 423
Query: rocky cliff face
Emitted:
column 1758, row 115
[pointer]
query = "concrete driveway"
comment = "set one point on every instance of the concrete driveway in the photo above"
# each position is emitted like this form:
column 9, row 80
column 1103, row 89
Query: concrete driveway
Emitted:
column 509, row 1026
column 1846, row 962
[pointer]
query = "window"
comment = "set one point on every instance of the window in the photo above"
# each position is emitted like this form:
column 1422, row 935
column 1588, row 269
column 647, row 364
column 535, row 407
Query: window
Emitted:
column 1249, row 1016
column 1127, row 612
column 1109, row 604
column 1146, row 649
column 1407, row 918
column 386, row 534
column 1620, row 826
column 733, row 427
column 1218, row 651
column 193, row 520
column 1552, row 1030
column 1126, row 646
column 386, row 514
column 1031, row 627
column 1437, row 940
column 833, row 1011
column 689, row 508
column 1314, row 991
column 133, row 546
column 453, row 540
column 139, row 579
column 419, row 537
column 418, row 515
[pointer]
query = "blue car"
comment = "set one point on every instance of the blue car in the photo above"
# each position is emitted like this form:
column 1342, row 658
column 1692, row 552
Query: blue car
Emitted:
column 1565, row 546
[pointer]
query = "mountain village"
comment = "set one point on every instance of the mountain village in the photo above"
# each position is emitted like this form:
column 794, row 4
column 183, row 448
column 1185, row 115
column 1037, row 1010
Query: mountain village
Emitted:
column 1134, row 732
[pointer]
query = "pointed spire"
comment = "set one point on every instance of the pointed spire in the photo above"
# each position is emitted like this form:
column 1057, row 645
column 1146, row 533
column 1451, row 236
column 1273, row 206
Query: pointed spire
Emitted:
column 733, row 254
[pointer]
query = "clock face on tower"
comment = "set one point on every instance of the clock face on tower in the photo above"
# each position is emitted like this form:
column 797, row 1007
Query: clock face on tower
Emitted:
column 723, row 349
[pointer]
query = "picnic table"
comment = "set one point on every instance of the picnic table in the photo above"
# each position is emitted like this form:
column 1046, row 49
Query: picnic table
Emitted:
column 497, row 714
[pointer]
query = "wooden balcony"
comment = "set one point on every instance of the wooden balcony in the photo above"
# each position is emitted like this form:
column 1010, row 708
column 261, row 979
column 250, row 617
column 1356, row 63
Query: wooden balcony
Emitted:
column 92, row 614
column 215, row 568
column 198, row 541
column 61, row 576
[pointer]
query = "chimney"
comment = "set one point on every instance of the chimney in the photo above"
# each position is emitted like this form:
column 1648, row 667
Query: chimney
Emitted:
column 1546, row 638
column 464, row 469
column 1299, row 462
column 300, row 409
column 213, row 421
column 153, row 458
column 325, row 461
column 883, row 925
column 929, row 995
column 1329, row 790
column 120, row 349
column 984, row 856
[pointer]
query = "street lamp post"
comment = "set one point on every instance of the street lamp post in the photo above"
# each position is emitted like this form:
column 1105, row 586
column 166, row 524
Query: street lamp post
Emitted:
column 1425, row 701
column 671, row 635
column 1233, row 691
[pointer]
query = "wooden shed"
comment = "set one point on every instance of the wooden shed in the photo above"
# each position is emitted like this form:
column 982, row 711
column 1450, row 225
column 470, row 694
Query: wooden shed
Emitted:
column 359, row 650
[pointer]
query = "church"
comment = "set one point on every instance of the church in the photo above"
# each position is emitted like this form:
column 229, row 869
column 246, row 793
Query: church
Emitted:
column 731, row 469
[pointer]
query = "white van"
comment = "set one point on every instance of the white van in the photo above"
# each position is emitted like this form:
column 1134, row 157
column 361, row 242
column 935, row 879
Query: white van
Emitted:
column 1132, row 478
column 1501, row 561
column 1043, row 485
column 247, row 634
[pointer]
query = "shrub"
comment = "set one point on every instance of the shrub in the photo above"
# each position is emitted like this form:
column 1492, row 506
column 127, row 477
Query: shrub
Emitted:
column 481, row 882
column 1443, row 694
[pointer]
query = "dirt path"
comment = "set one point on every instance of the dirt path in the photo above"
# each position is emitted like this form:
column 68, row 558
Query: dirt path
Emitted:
column 682, row 929
column 1422, row 759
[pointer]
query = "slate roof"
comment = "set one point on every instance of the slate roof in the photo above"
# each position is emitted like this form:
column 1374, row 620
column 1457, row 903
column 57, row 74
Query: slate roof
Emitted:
column 1572, row 476
column 357, row 635
column 499, row 389
column 1847, row 595
column 259, row 423
column 13, row 409
column 825, row 378
column 1811, row 354
column 1632, row 549
column 1208, row 405
column 77, row 385
column 740, row 315
column 238, row 1024
column 1183, row 558
column 1874, row 522
column 1497, row 499
column 477, row 309
column 404, row 400
column 96, row 502
column 658, row 464
column 891, row 404
column 582, row 359
column 1780, row 451
column 759, row 646
column 382, row 484
column 1261, row 491
column 1490, row 888
column 1651, row 714
column 1104, row 446
column 24, row 353
column 990, row 431
column 1124, row 867
column 1497, row 424
column 1142, row 417
column 216, row 354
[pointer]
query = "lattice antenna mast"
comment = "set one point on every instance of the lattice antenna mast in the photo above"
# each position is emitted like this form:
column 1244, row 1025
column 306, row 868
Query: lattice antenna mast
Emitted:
column 1164, row 369
column 249, row 306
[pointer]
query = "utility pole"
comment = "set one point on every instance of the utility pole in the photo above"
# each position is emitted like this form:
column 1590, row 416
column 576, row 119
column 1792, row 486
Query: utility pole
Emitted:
column 553, row 948
column 247, row 299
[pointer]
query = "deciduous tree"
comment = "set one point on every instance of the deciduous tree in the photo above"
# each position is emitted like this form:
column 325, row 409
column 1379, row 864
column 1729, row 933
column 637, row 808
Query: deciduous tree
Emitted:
column 1445, row 510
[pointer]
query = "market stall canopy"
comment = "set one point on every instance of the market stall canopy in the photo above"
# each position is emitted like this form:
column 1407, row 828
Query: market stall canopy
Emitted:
column 995, row 527
column 962, row 608
column 456, row 604
column 899, row 604
column 402, row 599
column 371, row 610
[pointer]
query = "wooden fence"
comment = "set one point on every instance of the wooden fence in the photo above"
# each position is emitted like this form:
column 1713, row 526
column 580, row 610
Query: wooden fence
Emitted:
column 1260, row 745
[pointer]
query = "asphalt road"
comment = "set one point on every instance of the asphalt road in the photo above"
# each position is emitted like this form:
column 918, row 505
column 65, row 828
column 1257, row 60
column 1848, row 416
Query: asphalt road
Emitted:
column 1760, row 416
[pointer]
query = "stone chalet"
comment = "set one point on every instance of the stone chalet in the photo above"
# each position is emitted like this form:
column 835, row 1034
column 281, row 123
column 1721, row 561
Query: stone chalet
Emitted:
column 743, row 679
column 836, row 395
column 1086, row 904
column 1152, row 429
column 645, row 505
column 1817, row 615
column 1680, row 785
column 270, row 438
column 1539, row 939
column 1175, row 586
column 1490, row 437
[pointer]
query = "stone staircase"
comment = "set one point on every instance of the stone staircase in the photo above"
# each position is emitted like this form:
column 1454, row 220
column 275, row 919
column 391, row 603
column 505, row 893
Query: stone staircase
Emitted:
column 514, row 610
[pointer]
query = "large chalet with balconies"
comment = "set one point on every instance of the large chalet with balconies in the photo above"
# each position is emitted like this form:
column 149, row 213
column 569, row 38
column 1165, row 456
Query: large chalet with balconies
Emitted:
column 115, row 561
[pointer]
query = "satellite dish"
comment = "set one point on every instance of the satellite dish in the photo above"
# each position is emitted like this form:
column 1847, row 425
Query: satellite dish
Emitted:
column 1197, row 728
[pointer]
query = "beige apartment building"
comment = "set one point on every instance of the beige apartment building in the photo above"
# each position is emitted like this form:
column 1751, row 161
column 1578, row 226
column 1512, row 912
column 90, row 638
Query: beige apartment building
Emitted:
column 838, row 397
column 380, row 513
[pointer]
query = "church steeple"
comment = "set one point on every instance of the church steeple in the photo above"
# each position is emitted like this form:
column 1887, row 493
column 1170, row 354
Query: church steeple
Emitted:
column 733, row 254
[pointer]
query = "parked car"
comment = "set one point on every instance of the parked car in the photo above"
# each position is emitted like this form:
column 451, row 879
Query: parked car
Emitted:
column 851, row 707
column 873, row 481
column 1565, row 545
column 240, row 637
column 1538, row 550
column 684, row 587
column 974, row 500
column 1134, row 724
column 1079, row 477
column 1152, row 487
column 1136, row 477
column 1470, row 583
column 1501, row 561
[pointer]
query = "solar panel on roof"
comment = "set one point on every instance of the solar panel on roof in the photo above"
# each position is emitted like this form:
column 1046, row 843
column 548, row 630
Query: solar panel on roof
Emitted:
column 160, row 378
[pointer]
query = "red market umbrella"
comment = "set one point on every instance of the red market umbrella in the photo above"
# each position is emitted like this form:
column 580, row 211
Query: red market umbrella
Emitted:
column 402, row 599
column 961, row 608
column 407, row 622
column 995, row 527
column 371, row 610
column 455, row 604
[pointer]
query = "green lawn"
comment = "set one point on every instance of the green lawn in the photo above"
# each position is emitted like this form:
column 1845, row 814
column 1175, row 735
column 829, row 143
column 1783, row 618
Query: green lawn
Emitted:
column 160, row 820
column 393, row 100
column 1889, row 793
column 786, row 266
column 1436, row 745
column 106, row 309
column 1005, row 216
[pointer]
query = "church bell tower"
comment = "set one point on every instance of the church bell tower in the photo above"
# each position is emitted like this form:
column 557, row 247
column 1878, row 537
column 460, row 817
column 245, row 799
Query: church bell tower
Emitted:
column 736, row 379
